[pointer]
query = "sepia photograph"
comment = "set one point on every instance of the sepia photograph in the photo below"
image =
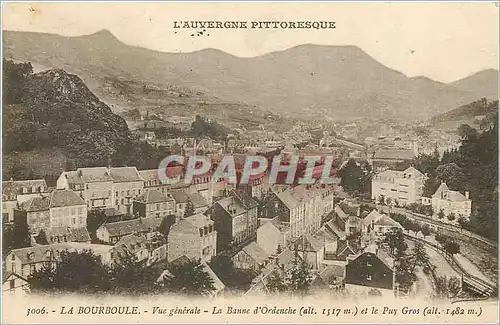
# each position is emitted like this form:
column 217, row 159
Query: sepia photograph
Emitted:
column 254, row 162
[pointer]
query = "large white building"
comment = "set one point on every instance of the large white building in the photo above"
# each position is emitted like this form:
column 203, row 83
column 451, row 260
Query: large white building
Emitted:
column 451, row 202
column 402, row 187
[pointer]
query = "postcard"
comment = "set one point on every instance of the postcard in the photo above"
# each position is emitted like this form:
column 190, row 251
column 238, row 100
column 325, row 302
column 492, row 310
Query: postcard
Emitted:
column 254, row 162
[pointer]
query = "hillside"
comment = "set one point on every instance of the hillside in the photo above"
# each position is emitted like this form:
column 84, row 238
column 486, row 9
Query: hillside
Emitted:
column 477, row 114
column 53, row 111
column 327, row 81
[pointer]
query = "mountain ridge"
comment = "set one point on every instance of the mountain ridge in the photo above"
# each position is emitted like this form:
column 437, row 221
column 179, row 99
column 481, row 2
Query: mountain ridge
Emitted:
column 332, row 81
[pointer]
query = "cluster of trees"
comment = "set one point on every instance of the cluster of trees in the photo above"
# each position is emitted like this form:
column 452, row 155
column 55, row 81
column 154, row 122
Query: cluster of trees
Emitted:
column 405, row 262
column 201, row 128
column 473, row 167
column 420, row 208
column 84, row 273
column 232, row 277
column 356, row 179
column 449, row 245
column 296, row 280
column 410, row 224
column 16, row 235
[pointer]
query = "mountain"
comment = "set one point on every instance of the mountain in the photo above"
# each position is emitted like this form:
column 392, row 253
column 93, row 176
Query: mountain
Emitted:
column 484, row 83
column 309, row 80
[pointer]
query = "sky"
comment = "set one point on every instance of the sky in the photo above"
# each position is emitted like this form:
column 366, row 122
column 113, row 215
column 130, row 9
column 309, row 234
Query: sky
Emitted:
column 442, row 41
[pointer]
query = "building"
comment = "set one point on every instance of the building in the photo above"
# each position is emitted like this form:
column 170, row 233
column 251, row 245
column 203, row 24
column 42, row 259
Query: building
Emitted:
column 153, row 181
column 24, row 261
column 97, row 185
column 127, row 185
column 65, row 234
column 235, row 219
column 273, row 235
column 311, row 248
column 153, row 203
column 113, row 232
column 370, row 273
column 14, row 284
column 301, row 206
column 138, row 245
column 398, row 187
column 61, row 208
column 451, row 202
column 251, row 257
column 376, row 225
column 15, row 193
column 194, row 236
column 182, row 199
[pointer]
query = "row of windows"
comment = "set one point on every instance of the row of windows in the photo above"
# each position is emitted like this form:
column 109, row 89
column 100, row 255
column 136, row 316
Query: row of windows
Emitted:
column 206, row 230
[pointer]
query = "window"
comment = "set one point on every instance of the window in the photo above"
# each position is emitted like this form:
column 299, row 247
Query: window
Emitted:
column 13, row 268
column 80, row 210
column 87, row 186
column 12, row 284
column 128, row 192
column 73, row 221
column 13, row 258
column 80, row 220
column 24, row 190
column 157, row 206
column 369, row 277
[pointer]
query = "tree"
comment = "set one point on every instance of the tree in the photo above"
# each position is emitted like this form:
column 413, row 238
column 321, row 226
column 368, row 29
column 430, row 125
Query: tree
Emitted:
column 451, row 217
column 440, row 215
column 43, row 279
column 189, row 209
column 299, row 277
column 21, row 236
column 463, row 222
column 95, row 218
column 275, row 284
column 395, row 239
column 352, row 177
column 451, row 247
column 81, row 272
column 129, row 275
column 426, row 230
column 404, row 275
column 452, row 175
column 189, row 278
column 447, row 287
column 464, row 131
column 419, row 256
column 165, row 225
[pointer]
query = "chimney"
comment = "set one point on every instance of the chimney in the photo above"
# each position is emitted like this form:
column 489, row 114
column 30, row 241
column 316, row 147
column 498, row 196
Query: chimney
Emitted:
column 467, row 194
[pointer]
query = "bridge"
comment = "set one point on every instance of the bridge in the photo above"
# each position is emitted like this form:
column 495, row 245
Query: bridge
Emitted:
column 469, row 282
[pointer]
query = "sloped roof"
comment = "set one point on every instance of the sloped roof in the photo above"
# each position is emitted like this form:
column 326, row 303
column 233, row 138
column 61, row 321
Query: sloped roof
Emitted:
column 125, row 174
column 256, row 252
column 15, row 187
column 64, row 198
column 72, row 177
column 197, row 200
column 179, row 196
column 153, row 196
column 343, row 245
column 386, row 221
column 231, row 206
column 94, row 174
column 126, row 227
column 394, row 154
column 152, row 223
column 198, row 220
column 332, row 226
column 36, row 204
column 371, row 217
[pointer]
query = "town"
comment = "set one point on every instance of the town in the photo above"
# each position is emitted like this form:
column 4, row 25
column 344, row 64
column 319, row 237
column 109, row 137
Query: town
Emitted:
column 390, row 224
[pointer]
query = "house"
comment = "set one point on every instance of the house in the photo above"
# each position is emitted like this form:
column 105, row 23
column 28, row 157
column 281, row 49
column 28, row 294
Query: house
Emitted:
column 138, row 245
column 72, row 181
column 451, row 202
column 376, row 224
column 400, row 187
column 235, row 219
column 24, row 261
column 66, row 234
column 67, row 209
column 278, row 266
column 251, row 257
column 14, row 284
column 153, row 181
column 300, row 206
column 311, row 248
column 218, row 284
column 153, row 203
column 112, row 232
column 36, row 213
column 198, row 202
column 370, row 273
column 331, row 278
column 273, row 235
column 194, row 236
column 127, row 185
column 181, row 199
column 15, row 193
